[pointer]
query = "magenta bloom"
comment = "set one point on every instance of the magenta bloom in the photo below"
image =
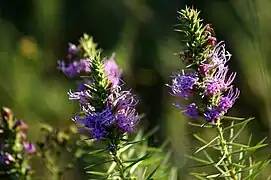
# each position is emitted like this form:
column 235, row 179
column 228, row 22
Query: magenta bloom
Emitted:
column 226, row 102
column 112, row 70
column 29, row 147
column 218, row 83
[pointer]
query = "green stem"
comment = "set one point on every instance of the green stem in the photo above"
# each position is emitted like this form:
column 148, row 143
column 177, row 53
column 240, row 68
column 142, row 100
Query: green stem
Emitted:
column 225, row 151
column 120, row 166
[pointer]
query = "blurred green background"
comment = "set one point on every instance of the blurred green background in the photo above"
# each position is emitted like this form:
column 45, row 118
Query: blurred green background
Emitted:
column 34, row 34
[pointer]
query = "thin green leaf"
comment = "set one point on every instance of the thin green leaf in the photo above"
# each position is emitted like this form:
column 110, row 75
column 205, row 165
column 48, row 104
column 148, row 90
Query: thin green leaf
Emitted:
column 240, row 157
column 237, row 145
column 203, row 165
column 134, row 142
column 238, row 165
column 258, row 170
column 221, row 160
column 111, row 168
column 93, row 165
column 248, row 154
column 211, row 160
column 199, row 125
column 201, row 176
column 97, row 151
column 206, row 145
column 197, row 159
column 138, row 160
column 235, row 118
column 213, row 175
column 250, row 167
column 253, row 148
column 173, row 174
column 239, row 131
column 238, row 124
column 97, row 173
column 203, row 141
column 152, row 160
column 151, row 132
column 153, row 172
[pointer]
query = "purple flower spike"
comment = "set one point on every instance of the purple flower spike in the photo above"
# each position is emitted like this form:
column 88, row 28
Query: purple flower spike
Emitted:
column 29, row 148
column 112, row 70
column 74, row 68
column 191, row 111
column 212, row 114
column 226, row 102
column 99, row 132
column 84, row 97
column 218, row 82
column 124, row 102
column 183, row 85
column 97, row 122
column 127, row 119
column 220, row 56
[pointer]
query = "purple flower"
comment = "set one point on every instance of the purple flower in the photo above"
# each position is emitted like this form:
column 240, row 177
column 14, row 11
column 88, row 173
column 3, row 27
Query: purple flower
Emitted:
column 99, row 132
column 124, row 103
column 213, row 86
column 204, row 69
column 191, row 111
column 220, row 56
column 212, row 114
column 29, row 147
column 122, row 99
column 97, row 122
column 218, row 82
column 127, row 119
column 6, row 158
column 226, row 102
column 84, row 97
column 74, row 68
column 112, row 70
column 182, row 85
column 72, row 49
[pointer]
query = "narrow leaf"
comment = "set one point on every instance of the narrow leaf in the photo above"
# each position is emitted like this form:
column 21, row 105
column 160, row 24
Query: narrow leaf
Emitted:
column 258, row 170
column 199, row 125
column 97, row 151
column 153, row 172
column 93, row 165
column 197, row 159
column 138, row 160
column 238, row 124
column 235, row 118
column 206, row 145
column 250, row 148
column 97, row 173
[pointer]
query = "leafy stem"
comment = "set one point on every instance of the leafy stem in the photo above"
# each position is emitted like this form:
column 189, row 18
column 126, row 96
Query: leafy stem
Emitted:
column 225, row 150
column 119, row 163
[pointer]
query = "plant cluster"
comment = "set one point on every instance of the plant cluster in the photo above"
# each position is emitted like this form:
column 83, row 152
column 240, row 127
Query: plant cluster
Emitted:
column 105, row 133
